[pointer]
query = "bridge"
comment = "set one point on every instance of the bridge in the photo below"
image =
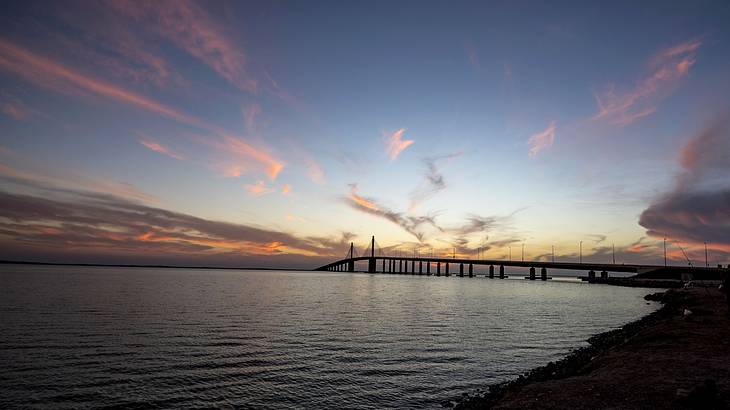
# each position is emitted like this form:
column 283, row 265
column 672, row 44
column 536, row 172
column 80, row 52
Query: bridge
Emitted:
column 442, row 266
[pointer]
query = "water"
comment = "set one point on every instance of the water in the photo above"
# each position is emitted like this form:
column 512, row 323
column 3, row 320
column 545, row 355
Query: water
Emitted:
column 76, row 337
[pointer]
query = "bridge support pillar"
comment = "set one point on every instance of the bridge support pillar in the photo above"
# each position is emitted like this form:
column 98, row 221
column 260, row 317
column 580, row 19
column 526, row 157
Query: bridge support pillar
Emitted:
column 604, row 275
column 438, row 268
column 591, row 274
column 383, row 266
column 471, row 270
column 351, row 266
column 447, row 269
column 461, row 270
column 413, row 267
column 532, row 273
column 420, row 267
column 428, row 268
column 491, row 271
column 501, row 271
column 400, row 266
column 372, row 266
column 543, row 273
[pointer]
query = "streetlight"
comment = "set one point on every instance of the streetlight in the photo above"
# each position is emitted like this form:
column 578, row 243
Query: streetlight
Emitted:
column 613, row 250
column 707, row 264
column 552, row 251
column 665, row 252
column 510, row 254
column 580, row 253
column 523, row 251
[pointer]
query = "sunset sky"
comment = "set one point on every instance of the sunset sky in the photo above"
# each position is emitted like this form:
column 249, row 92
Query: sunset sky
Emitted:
column 274, row 133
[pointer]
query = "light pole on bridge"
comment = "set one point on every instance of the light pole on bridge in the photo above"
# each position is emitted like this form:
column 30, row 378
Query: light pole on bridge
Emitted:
column 580, row 253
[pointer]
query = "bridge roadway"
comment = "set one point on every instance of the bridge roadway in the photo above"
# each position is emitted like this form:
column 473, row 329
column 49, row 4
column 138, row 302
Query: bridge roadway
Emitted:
column 423, row 265
column 442, row 266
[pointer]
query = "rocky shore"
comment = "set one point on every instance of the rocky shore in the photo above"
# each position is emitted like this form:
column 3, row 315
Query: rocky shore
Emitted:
column 677, row 357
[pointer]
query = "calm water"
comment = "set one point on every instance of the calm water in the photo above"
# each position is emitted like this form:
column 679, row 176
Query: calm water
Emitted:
column 74, row 337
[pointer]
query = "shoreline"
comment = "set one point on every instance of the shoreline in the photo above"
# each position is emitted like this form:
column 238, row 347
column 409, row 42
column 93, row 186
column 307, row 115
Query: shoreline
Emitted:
column 619, row 367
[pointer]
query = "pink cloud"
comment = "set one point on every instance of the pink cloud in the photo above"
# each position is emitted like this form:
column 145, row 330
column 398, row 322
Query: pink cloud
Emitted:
column 193, row 30
column 259, row 188
column 315, row 172
column 157, row 147
column 668, row 67
column 250, row 113
column 395, row 144
column 244, row 151
column 13, row 107
column 77, row 181
column 541, row 140
column 47, row 73
column 14, row 110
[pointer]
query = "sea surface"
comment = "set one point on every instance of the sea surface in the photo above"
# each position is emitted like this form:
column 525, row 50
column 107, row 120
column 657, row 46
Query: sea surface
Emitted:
column 88, row 337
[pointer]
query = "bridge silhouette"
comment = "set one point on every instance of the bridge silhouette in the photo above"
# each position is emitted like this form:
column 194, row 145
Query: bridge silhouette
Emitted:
column 441, row 266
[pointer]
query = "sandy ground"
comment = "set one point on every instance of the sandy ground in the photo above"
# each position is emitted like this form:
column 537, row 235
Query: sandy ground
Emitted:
column 681, row 362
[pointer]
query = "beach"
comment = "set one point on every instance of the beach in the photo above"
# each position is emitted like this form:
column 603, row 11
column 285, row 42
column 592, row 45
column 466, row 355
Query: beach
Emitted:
column 676, row 357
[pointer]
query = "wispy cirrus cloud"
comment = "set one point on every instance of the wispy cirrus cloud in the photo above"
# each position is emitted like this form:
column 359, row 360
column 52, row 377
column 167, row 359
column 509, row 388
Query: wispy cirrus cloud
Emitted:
column 65, row 181
column 157, row 147
column 433, row 181
column 258, row 188
column 251, row 113
column 315, row 172
column 245, row 151
column 192, row 29
column 667, row 68
column 542, row 140
column 395, row 144
column 46, row 73
column 410, row 224
column 60, row 78
column 13, row 107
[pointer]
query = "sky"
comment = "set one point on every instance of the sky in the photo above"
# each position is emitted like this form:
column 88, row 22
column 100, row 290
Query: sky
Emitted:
column 274, row 133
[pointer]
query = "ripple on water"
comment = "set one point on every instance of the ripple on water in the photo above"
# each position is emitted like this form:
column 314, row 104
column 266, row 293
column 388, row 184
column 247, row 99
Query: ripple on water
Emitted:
column 78, row 337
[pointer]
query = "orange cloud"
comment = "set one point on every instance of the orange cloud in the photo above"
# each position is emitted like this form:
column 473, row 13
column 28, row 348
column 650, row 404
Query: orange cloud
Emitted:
column 236, row 146
column 541, row 140
column 258, row 189
column 154, row 146
column 365, row 203
column 668, row 67
column 395, row 144
column 285, row 189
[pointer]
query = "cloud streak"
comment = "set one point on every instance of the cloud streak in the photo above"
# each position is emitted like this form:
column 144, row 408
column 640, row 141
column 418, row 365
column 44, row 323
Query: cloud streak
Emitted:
column 55, row 76
column 70, row 222
column 193, row 30
column 47, row 73
column 157, row 147
column 410, row 224
column 667, row 68
column 395, row 144
column 542, row 140
column 433, row 181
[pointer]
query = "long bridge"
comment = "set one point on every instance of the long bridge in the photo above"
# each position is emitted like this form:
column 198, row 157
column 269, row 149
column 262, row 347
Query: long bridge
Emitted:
column 441, row 266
